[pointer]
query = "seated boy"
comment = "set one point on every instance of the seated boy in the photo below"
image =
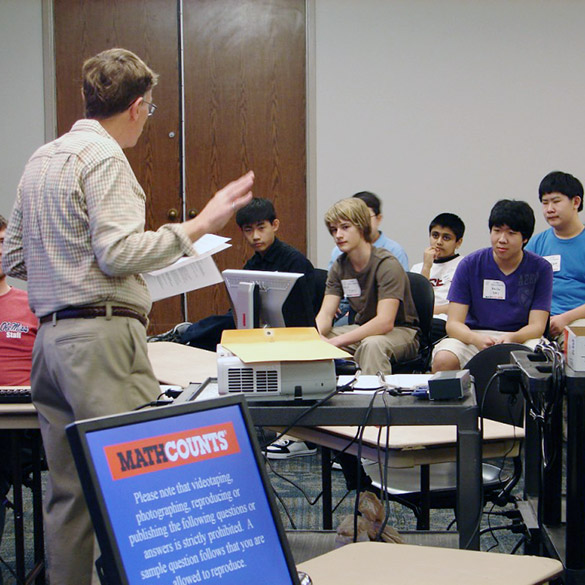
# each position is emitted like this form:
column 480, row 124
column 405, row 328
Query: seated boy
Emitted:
column 378, row 239
column 563, row 245
column 440, row 260
column 377, row 288
column 18, row 330
column 259, row 225
column 500, row 294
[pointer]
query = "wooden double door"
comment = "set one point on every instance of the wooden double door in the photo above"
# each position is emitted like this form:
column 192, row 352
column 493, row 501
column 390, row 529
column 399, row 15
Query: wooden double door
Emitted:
column 232, row 75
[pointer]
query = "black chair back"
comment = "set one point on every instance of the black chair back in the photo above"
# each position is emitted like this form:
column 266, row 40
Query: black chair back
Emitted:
column 496, row 406
column 320, row 282
column 423, row 296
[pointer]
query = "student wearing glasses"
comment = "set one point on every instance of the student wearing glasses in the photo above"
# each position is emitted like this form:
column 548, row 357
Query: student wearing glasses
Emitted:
column 77, row 234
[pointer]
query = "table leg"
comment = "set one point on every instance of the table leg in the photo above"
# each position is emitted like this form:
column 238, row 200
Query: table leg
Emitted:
column 18, row 511
column 469, row 486
column 37, row 500
column 326, row 486
column 424, row 522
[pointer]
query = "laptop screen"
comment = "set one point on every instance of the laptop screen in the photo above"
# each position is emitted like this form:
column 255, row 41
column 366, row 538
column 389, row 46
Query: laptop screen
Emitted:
column 179, row 495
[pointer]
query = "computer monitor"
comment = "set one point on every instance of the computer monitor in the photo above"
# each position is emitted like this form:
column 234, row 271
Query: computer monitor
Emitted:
column 179, row 494
column 269, row 299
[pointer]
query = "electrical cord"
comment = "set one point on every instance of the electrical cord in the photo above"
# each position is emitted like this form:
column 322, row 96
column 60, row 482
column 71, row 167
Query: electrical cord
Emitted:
column 284, row 432
column 310, row 409
column 294, row 484
column 542, row 408
column 384, row 476
column 359, row 459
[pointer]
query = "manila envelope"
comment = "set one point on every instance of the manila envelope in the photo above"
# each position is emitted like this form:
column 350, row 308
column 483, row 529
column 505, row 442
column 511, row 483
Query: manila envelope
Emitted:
column 281, row 344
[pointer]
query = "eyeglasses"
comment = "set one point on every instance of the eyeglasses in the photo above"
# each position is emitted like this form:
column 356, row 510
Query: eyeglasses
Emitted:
column 151, row 107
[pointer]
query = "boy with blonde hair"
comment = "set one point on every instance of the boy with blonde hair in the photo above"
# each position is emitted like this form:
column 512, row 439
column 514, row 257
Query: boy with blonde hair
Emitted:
column 377, row 288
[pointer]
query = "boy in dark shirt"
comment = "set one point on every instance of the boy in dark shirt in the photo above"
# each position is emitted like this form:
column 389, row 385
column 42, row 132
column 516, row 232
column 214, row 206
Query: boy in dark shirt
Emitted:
column 259, row 225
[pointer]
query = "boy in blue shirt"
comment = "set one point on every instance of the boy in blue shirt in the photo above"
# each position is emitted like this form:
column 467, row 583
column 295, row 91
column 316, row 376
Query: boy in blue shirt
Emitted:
column 563, row 245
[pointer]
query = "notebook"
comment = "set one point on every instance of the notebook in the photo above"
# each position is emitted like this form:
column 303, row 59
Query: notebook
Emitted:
column 179, row 494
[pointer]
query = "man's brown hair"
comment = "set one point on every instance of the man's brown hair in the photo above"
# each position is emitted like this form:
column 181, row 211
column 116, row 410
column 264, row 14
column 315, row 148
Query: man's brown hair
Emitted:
column 3, row 223
column 353, row 210
column 112, row 80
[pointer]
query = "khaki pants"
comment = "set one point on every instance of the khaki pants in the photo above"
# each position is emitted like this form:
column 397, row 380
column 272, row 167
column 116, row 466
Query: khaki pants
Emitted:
column 374, row 353
column 465, row 351
column 82, row 368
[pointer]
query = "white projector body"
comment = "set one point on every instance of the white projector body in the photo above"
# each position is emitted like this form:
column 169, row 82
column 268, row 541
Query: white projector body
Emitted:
column 275, row 380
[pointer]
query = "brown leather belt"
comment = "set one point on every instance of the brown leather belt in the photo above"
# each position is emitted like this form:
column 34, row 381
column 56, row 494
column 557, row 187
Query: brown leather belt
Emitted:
column 92, row 312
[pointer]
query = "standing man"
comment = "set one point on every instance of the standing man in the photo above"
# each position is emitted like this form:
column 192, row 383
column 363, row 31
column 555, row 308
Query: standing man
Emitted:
column 563, row 245
column 77, row 234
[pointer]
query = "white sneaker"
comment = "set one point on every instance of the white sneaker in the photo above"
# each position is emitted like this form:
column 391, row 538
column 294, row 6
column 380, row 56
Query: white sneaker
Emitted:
column 286, row 449
column 173, row 335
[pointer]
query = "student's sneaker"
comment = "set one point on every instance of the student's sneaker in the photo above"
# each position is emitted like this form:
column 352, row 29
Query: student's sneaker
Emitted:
column 337, row 466
column 173, row 334
column 286, row 449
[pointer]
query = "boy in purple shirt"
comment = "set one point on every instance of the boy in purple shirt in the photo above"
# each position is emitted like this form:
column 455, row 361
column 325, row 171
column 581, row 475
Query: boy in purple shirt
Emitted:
column 500, row 294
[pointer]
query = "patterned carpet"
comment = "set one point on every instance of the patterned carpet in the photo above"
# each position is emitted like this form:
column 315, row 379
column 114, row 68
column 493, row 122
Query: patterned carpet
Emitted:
column 304, row 512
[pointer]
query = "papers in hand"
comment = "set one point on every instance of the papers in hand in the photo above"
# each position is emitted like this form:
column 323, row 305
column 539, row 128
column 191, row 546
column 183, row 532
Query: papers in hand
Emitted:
column 190, row 272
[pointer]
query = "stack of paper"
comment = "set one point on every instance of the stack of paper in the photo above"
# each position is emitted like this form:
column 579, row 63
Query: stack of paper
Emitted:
column 188, row 273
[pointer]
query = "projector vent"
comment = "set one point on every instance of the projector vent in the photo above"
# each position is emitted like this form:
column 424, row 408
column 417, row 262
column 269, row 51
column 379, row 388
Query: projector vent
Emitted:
column 240, row 380
column 266, row 381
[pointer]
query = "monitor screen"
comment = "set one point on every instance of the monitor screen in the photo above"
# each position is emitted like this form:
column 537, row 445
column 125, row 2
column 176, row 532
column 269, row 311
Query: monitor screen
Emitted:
column 269, row 299
column 178, row 495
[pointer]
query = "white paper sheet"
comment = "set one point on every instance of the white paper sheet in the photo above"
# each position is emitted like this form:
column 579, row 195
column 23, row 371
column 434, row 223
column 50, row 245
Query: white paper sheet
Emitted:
column 372, row 383
column 188, row 273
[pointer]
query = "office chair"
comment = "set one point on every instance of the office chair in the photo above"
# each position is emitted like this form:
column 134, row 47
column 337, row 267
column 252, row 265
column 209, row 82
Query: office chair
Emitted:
column 423, row 296
column 434, row 486
column 320, row 275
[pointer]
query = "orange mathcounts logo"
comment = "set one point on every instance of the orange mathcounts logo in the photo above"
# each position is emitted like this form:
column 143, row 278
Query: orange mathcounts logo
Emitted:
column 146, row 455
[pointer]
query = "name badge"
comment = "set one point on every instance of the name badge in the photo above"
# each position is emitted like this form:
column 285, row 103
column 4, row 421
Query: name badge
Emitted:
column 555, row 261
column 494, row 289
column 351, row 288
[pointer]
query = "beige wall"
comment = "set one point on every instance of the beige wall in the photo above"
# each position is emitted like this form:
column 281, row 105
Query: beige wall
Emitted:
column 445, row 106
column 434, row 105
column 21, row 93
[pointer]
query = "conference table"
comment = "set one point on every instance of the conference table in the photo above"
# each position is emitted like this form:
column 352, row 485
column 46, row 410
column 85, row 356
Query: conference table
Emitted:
column 375, row 409
column 179, row 364
column 348, row 409
column 362, row 410
column 379, row 563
